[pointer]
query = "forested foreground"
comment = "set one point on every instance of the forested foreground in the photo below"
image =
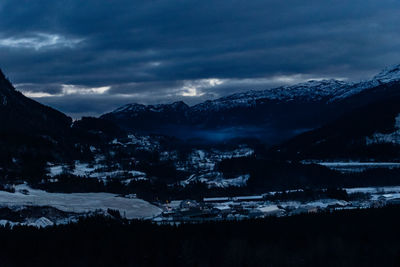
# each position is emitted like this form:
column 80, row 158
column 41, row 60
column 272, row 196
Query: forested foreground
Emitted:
column 345, row 238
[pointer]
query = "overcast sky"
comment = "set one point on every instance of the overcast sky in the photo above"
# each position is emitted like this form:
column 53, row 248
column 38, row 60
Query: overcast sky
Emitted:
column 89, row 57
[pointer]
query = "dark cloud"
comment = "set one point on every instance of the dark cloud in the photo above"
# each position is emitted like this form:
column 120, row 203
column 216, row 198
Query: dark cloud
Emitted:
column 151, row 50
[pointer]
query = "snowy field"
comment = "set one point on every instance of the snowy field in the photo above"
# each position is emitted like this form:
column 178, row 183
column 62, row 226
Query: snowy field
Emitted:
column 348, row 167
column 389, row 138
column 131, row 208
column 94, row 171
column 387, row 192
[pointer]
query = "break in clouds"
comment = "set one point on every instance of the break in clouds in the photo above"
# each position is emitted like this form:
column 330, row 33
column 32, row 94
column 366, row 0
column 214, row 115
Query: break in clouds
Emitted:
column 89, row 57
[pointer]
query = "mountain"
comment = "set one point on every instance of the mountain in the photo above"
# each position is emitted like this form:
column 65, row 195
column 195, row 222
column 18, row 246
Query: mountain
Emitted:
column 368, row 133
column 20, row 114
column 30, row 134
column 272, row 115
column 150, row 118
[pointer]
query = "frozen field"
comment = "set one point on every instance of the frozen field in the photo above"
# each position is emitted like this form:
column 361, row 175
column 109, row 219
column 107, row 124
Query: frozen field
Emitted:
column 387, row 192
column 346, row 167
column 131, row 208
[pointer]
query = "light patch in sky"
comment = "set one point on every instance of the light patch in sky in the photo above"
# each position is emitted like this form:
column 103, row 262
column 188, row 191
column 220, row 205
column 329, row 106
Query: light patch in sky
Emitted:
column 191, row 91
column 69, row 89
column 281, row 80
column 154, row 64
column 37, row 94
column 38, row 41
column 194, row 88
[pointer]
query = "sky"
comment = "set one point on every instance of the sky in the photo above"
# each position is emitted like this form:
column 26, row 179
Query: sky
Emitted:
column 90, row 57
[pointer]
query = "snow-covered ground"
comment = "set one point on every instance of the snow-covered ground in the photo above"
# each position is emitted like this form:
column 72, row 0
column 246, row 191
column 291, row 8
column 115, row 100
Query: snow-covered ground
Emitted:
column 95, row 171
column 131, row 208
column 238, row 181
column 141, row 142
column 199, row 164
column 374, row 190
column 39, row 223
column 215, row 179
column 203, row 164
column 202, row 160
column 389, row 138
column 348, row 167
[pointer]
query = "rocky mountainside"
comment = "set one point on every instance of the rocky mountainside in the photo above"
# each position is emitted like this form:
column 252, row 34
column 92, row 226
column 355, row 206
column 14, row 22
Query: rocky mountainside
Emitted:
column 272, row 115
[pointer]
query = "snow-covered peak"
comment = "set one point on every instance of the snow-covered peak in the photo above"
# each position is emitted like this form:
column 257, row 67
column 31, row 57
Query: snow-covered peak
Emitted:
column 179, row 105
column 41, row 223
column 310, row 89
column 137, row 108
column 389, row 74
column 130, row 108
column 313, row 90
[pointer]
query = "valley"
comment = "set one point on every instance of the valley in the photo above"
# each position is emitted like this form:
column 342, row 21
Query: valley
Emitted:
column 99, row 164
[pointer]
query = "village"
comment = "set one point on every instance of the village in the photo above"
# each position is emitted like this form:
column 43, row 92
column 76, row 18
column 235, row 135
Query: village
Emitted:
column 261, row 206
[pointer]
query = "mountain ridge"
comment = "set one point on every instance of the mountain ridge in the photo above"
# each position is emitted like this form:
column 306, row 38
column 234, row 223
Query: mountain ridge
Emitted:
column 317, row 89
column 273, row 115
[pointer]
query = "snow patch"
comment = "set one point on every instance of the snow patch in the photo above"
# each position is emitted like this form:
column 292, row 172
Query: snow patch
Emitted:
column 131, row 208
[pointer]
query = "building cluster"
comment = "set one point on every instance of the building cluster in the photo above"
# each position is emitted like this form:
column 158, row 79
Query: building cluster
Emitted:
column 260, row 206
column 239, row 208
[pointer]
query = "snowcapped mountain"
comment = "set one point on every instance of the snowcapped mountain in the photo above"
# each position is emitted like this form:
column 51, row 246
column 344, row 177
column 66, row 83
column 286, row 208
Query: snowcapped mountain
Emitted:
column 136, row 109
column 273, row 114
column 368, row 132
column 309, row 91
column 388, row 75
column 313, row 90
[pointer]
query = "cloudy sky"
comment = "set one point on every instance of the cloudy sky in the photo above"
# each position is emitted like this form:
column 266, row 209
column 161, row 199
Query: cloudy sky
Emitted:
column 89, row 57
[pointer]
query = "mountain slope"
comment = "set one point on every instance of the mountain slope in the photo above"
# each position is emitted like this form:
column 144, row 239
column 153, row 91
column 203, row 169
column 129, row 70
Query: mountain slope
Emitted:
column 21, row 114
column 31, row 135
column 370, row 132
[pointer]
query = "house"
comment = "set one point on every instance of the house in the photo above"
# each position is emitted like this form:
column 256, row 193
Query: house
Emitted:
column 189, row 204
column 248, row 198
column 173, row 205
column 223, row 209
column 215, row 199
column 272, row 210
column 193, row 212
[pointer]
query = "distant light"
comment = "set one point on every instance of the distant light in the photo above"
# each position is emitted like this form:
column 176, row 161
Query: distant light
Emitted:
column 194, row 88
column 36, row 94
